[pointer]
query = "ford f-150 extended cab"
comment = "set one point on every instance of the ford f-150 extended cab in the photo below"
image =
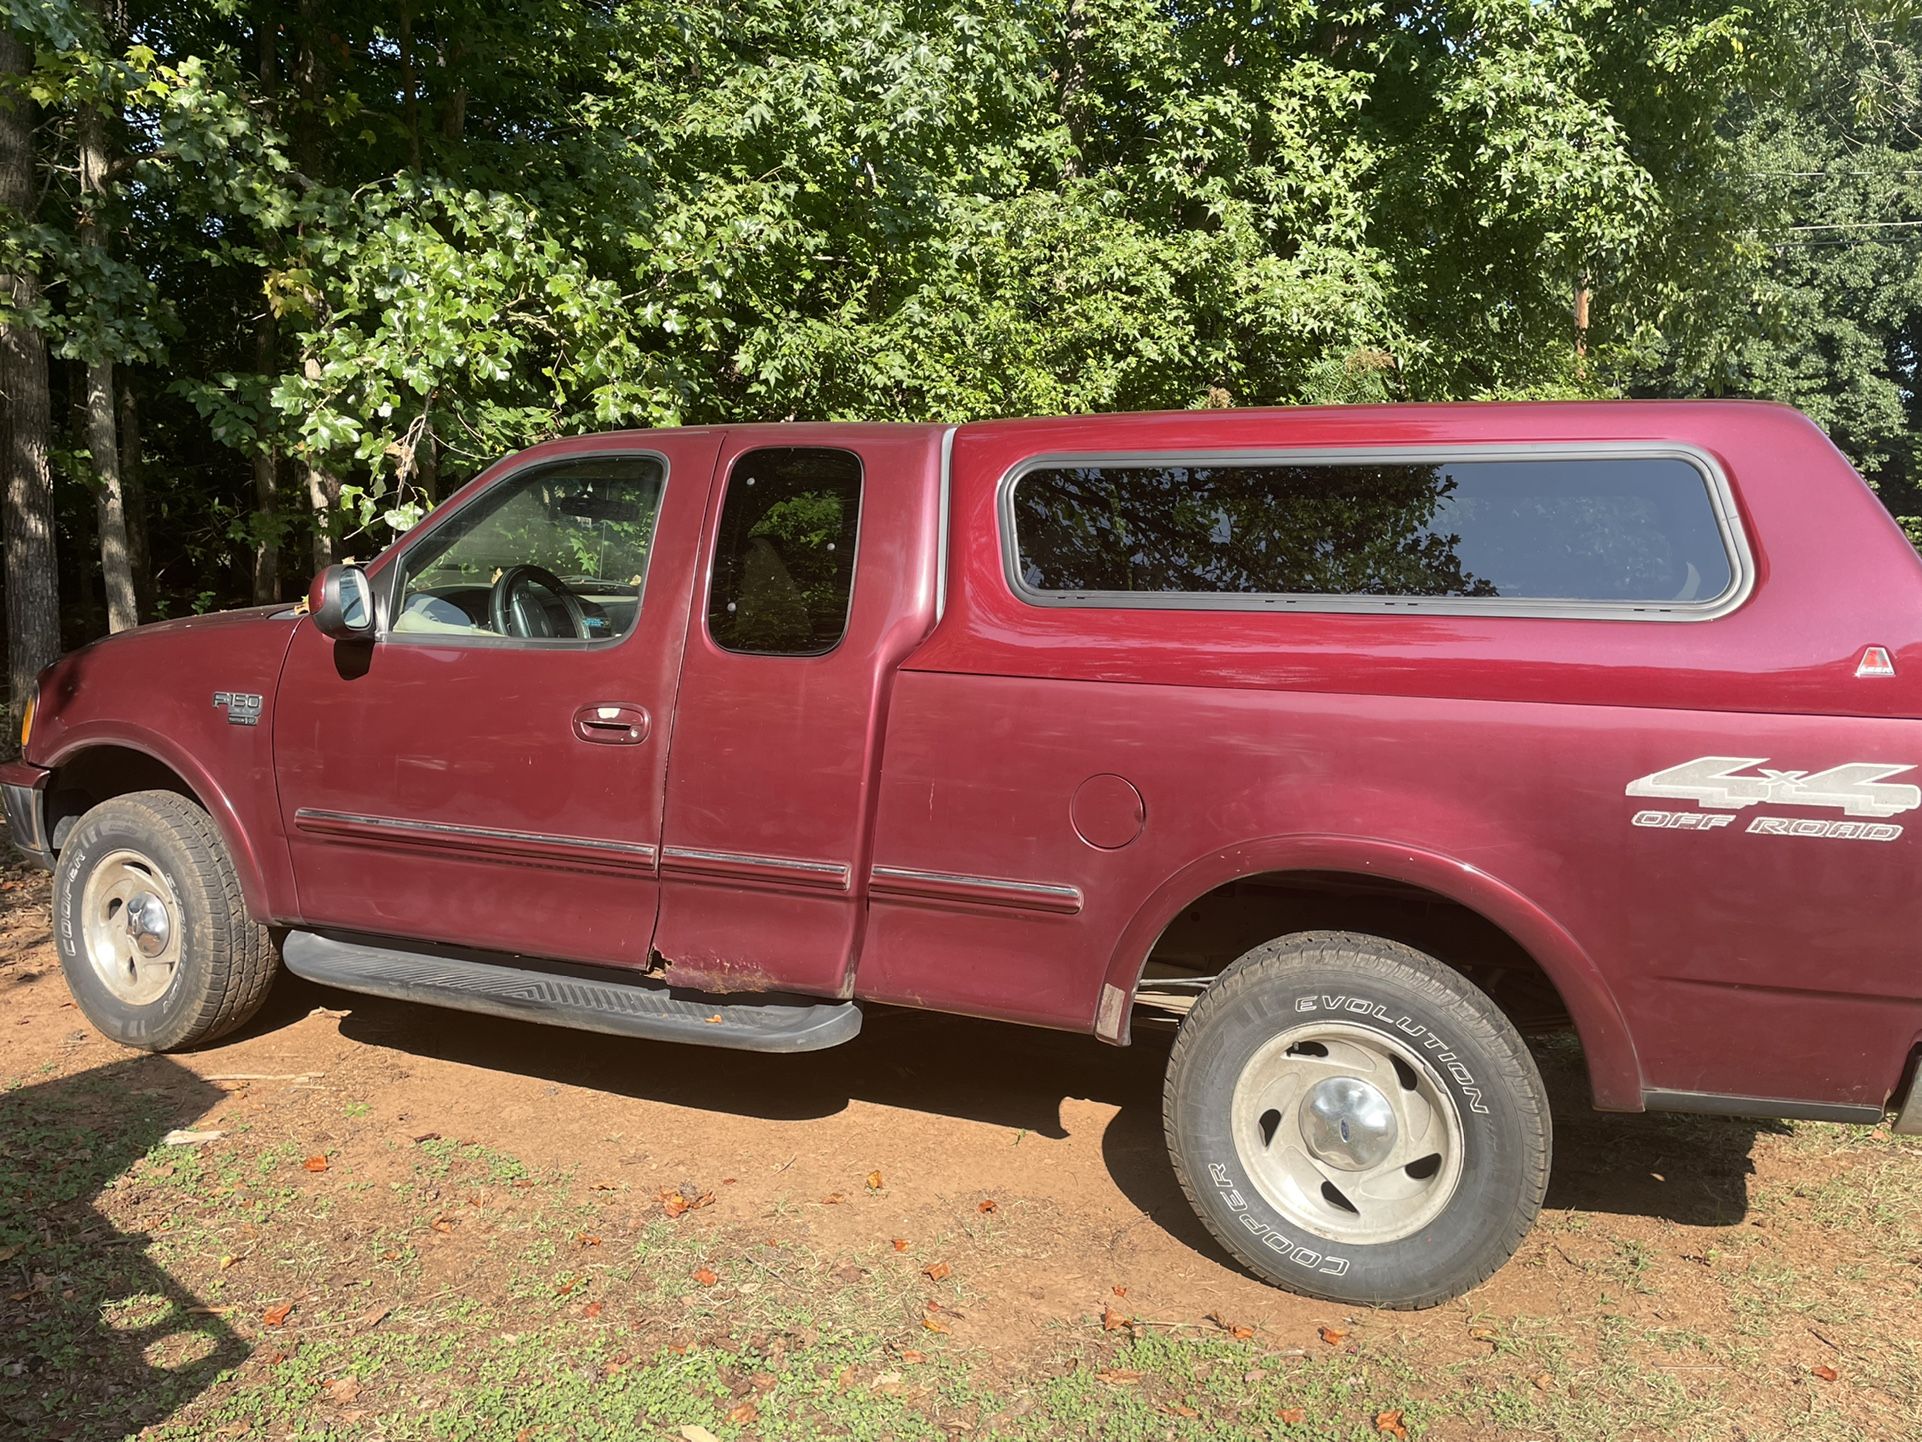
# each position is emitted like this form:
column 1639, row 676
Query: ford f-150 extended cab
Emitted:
column 1358, row 743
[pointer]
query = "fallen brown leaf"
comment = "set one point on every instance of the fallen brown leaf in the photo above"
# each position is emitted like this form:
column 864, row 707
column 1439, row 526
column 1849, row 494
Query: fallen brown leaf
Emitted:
column 1389, row 1424
column 277, row 1316
column 1118, row 1376
column 1292, row 1416
column 587, row 1239
column 988, row 1206
column 1234, row 1329
column 1121, row 1291
column 1826, row 1372
column 592, row 1310
column 341, row 1390
column 705, row 1276
column 912, row 1357
column 743, row 1413
column 1111, row 1320
column 315, row 1163
column 443, row 1225
column 1333, row 1336
column 874, row 1181
column 935, row 1324
column 1179, row 1409
column 900, row 1244
column 832, row 1199
column 937, row 1271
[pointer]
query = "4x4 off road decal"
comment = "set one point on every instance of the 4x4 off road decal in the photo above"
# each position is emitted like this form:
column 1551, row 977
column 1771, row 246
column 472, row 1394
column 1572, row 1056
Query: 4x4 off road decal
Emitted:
column 1729, row 784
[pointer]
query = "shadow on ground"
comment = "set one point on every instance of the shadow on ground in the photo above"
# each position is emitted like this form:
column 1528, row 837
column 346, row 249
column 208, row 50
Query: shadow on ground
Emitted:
column 1685, row 1169
column 96, row 1340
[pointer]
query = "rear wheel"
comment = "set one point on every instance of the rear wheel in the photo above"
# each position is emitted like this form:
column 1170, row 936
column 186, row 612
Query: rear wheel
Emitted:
column 1353, row 1120
column 155, row 942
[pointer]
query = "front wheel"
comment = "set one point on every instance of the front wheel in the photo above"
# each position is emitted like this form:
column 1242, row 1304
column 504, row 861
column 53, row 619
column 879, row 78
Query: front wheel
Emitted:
column 1355, row 1121
column 157, row 947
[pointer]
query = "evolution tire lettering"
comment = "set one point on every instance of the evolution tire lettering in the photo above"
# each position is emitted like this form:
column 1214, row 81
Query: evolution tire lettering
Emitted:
column 1856, row 787
column 1296, row 1252
column 1445, row 1056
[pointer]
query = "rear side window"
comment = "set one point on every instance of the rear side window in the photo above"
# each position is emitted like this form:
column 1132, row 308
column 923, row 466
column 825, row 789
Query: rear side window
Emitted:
column 784, row 552
column 1642, row 531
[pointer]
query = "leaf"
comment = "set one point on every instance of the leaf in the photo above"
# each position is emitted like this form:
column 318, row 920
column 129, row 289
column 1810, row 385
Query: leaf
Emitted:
column 1292, row 1416
column 315, row 1163
column 705, row 1276
column 1234, row 1329
column 989, row 1205
column 1121, row 1291
column 1118, row 1376
column 341, row 1390
column 587, row 1239
column 694, row 1433
column 1333, row 1336
column 592, row 1310
column 1389, row 1424
column 743, row 1413
column 900, row 1244
column 874, row 1181
column 937, row 1271
column 1111, row 1320
column 935, row 1324
column 1826, row 1372
column 913, row 1358
column 443, row 1225
column 277, row 1316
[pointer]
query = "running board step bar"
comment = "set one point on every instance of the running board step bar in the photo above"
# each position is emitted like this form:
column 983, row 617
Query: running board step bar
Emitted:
column 621, row 1008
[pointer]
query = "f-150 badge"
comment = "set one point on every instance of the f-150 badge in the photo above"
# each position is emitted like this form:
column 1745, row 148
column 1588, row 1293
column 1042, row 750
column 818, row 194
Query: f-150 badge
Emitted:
column 243, row 708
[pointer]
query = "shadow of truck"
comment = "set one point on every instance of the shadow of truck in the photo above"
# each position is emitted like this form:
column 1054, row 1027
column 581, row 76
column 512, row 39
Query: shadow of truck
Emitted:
column 96, row 1339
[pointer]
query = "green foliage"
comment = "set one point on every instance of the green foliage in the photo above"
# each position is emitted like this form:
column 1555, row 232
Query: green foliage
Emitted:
column 486, row 224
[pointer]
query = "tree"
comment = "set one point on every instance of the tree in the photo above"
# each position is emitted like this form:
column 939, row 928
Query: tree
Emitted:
column 32, row 569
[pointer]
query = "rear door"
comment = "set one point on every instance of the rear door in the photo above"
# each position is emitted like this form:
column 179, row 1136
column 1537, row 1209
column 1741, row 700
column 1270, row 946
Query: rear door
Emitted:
column 819, row 575
column 490, row 773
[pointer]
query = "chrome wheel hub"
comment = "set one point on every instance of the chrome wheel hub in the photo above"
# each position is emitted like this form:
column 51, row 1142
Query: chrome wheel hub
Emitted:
column 1348, row 1132
column 1347, row 1124
column 130, row 923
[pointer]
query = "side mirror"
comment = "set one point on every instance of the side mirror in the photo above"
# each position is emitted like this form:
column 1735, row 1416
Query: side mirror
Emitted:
column 341, row 601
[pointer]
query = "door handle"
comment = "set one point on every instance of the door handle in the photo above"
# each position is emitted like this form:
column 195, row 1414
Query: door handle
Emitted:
column 612, row 723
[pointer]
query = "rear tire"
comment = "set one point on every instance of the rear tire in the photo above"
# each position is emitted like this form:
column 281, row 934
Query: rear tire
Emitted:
column 1357, row 1122
column 153, row 936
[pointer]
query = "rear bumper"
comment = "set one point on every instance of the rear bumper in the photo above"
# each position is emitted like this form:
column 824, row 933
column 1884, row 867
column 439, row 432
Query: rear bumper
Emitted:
column 23, row 790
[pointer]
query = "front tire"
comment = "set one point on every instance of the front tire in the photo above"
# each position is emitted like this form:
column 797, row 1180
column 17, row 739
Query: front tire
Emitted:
column 156, row 944
column 1357, row 1122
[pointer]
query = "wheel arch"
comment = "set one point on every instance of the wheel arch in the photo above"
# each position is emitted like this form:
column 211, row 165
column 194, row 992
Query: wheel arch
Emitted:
column 100, row 767
column 1614, row 1068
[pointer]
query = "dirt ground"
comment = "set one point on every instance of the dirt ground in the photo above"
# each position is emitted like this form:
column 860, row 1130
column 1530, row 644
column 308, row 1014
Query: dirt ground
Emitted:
column 989, row 1205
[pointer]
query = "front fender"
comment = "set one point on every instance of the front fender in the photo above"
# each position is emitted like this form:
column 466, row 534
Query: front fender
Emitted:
column 239, row 838
column 1614, row 1070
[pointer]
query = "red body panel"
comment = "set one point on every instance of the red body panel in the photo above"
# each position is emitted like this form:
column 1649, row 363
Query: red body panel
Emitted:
column 771, row 785
column 925, row 774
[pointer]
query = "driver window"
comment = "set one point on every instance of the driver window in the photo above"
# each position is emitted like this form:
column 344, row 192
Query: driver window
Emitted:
column 557, row 553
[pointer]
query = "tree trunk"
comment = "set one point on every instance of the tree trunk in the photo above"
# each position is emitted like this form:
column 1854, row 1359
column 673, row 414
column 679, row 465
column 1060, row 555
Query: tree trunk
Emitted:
column 266, row 482
column 134, row 491
column 103, row 434
column 32, row 577
column 323, row 491
column 410, row 88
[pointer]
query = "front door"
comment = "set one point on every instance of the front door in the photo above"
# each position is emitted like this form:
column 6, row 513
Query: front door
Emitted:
column 490, row 772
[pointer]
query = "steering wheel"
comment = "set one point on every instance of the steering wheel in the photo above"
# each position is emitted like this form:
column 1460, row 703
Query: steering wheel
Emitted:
column 510, row 608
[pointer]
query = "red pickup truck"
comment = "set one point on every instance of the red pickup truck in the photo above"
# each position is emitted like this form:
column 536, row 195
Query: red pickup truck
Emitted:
column 1358, row 743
